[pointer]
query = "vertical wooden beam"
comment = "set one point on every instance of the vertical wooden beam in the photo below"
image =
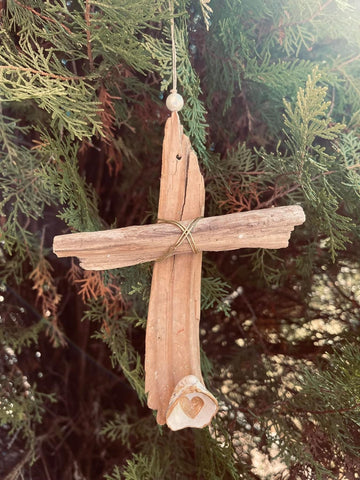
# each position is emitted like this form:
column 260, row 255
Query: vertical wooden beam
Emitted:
column 172, row 336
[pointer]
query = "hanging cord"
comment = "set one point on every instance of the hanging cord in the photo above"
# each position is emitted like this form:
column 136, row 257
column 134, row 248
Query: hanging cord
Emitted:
column 185, row 235
column 173, row 46
column 174, row 102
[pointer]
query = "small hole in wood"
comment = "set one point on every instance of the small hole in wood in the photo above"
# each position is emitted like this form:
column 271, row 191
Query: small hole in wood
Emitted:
column 178, row 157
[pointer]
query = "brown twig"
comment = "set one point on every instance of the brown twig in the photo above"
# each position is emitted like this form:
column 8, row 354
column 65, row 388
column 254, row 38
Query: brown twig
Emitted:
column 322, row 7
column 46, row 470
column 282, row 192
column 16, row 471
column 278, row 193
column 353, row 59
column 351, row 167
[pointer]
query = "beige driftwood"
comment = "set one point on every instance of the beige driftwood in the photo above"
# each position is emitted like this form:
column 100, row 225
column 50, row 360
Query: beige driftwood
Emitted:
column 172, row 351
column 122, row 247
column 173, row 378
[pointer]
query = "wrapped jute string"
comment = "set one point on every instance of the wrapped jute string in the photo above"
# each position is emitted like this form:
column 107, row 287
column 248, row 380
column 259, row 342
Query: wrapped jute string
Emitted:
column 185, row 235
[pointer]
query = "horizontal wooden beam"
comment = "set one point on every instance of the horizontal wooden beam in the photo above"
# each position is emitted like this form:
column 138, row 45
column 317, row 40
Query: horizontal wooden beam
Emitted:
column 122, row 247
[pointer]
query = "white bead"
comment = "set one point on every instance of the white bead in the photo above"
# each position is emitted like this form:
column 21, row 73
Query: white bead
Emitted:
column 174, row 102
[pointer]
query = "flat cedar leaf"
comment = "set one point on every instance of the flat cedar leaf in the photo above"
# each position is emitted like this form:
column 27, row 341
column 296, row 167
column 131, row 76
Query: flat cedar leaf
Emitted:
column 206, row 11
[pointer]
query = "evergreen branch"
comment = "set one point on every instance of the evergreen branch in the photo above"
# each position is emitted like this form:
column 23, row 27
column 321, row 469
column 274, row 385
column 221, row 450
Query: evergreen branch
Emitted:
column 326, row 412
column 43, row 17
column 352, row 82
column 255, row 54
column 63, row 177
column 307, row 120
column 309, row 19
column 351, row 167
column 320, row 9
column 279, row 192
column 88, row 34
column 347, row 62
column 206, row 11
column 29, row 334
column 33, row 178
column 70, row 100
column 213, row 291
column 40, row 72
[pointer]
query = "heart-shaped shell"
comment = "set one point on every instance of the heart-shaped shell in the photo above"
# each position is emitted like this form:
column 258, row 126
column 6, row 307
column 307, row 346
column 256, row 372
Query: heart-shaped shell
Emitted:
column 191, row 405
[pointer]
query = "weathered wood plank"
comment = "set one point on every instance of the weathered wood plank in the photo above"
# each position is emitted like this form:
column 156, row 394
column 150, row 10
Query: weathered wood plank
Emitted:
column 268, row 228
column 172, row 335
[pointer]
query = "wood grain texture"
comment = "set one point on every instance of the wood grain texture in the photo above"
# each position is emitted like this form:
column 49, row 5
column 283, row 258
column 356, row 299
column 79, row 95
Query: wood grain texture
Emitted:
column 172, row 335
column 122, row 247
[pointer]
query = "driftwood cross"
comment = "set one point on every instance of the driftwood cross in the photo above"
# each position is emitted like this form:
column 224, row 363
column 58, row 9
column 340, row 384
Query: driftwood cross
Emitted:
column 173, row 376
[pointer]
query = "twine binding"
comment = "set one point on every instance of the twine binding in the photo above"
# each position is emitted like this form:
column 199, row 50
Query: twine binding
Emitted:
column 185, row 235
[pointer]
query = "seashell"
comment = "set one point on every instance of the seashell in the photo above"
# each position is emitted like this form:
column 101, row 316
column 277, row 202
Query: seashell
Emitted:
column 191, row 405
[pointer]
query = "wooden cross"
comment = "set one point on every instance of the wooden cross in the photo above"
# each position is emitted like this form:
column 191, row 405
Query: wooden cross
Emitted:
column 173, row 378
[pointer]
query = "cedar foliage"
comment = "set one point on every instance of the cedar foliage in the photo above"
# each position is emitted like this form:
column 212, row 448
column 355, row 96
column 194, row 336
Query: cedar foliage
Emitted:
column 273, row 110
